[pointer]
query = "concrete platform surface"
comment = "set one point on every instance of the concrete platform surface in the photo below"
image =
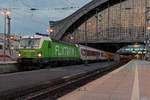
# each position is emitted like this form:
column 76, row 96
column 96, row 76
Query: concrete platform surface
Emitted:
column 7, row 62
column 8, row 66
column 130, row 82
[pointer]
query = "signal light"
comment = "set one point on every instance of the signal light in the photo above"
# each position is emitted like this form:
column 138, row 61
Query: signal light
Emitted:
column 148, row 28
column 71, row 38
column 50, row 30
column 11, row 37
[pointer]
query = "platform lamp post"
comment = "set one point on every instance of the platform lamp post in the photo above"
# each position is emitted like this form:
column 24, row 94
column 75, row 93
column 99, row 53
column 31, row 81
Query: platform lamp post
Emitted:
column 147, row 27
column 147, row 30
column 147, row 42
column 5, row 13
column 9, row 37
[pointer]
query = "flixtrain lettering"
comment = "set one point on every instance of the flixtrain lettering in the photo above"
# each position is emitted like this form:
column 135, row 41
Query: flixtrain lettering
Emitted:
column 64, row 51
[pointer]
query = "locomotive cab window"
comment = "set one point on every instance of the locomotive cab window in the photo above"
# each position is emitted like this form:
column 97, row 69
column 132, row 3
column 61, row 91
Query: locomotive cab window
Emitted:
column 30, row 43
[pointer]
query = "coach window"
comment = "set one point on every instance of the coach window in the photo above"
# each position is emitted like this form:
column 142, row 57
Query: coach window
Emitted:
column 1, row 47
column 102, row 54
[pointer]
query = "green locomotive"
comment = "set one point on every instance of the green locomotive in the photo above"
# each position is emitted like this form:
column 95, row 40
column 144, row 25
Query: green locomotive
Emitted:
column 42, row 50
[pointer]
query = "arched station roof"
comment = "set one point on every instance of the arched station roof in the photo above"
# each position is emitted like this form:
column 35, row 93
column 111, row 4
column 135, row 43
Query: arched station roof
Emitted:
column 70, row 23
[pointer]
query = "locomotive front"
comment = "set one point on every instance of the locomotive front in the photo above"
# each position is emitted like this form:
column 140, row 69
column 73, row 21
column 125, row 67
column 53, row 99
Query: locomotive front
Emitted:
column 30, row 49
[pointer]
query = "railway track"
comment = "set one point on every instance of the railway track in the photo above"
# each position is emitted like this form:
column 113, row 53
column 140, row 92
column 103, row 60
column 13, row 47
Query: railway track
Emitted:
column 58, row 88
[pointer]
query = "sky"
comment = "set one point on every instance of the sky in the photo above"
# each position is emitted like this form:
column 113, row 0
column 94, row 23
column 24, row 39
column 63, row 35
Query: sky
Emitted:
column 25, row 21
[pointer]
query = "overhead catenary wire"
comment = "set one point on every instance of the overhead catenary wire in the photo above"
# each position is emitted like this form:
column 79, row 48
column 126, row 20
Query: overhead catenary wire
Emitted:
column 33, row 19
column 70, row 4
column 30, row 8
column 22, row 9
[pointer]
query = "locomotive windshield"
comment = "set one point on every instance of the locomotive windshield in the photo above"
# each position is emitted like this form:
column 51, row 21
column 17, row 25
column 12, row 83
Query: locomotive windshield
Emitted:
column 30, row 43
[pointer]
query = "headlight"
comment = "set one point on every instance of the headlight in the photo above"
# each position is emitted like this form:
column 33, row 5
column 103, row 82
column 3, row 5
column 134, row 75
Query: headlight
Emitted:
column 139, row 52
column 19, row 54
column 39, row 54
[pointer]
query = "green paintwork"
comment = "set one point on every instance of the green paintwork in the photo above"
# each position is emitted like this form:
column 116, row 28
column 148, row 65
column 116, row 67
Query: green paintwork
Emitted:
column 51, row 49
column 63, row 50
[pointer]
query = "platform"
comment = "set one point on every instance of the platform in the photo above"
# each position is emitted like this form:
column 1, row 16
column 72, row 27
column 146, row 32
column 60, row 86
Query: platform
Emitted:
column 130, row 82
column 7, row 62
column 8, row 66
column 17, row 82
